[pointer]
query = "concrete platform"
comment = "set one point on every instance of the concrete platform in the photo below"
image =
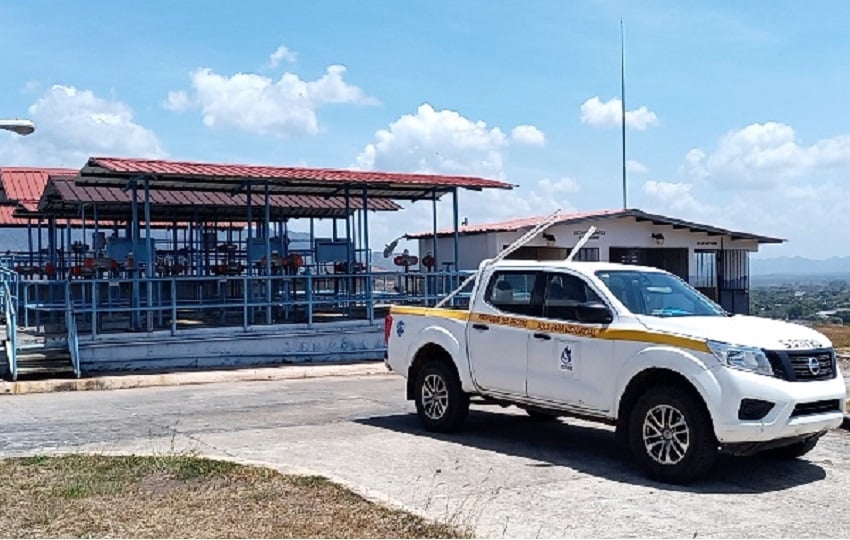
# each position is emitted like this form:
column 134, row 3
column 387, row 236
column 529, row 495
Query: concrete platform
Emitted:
column 181, row 378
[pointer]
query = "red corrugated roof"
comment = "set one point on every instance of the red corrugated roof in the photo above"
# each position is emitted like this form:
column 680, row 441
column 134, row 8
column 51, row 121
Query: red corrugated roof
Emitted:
column 578, row 217
column 63, row 193
column 25, row 184
column 8, row 220
column 187, row 175
column 515, row 224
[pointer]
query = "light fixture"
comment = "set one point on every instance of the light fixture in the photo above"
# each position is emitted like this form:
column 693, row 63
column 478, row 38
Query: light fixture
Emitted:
column 21, row 127
column 390, row 247
column 658, row 237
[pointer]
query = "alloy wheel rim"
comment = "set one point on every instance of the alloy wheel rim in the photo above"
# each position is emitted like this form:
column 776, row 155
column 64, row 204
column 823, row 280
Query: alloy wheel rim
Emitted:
column 435, row 396
column 666, row 436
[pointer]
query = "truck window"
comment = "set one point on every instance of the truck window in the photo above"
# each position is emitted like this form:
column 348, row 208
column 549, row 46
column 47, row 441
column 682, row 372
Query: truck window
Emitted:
column 513, row 292
column 563, row 293
column 658, row 294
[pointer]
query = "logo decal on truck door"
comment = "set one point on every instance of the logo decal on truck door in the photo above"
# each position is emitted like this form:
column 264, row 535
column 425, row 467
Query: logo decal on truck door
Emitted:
column 399, row 328
column 567, row 359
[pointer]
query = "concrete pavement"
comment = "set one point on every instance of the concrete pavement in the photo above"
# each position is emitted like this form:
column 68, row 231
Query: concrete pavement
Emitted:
column 503, row 476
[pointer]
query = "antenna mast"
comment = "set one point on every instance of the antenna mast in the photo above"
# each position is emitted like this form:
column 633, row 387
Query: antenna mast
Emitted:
column 623, row 109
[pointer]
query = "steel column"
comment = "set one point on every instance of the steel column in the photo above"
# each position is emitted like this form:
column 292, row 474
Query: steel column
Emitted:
column 134, row 207
column 370, row 307
column 455, row 222
column 29, row 239
column 149, row 246
column 267, row 219
column 434, row 242
column 249, row 236
column 348, row 266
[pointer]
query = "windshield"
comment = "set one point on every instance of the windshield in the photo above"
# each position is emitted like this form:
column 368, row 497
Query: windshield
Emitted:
column 657, row 294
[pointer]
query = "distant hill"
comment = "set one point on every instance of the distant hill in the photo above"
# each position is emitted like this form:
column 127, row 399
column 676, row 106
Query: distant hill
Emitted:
column 799, row 266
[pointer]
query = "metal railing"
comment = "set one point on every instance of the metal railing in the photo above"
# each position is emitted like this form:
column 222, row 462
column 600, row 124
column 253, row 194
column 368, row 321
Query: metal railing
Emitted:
column 71, row 328
column 11, row 345
column 98, row 305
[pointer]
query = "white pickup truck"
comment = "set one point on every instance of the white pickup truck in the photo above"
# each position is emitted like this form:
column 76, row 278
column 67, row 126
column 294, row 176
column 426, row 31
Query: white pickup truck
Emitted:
column 631, row 346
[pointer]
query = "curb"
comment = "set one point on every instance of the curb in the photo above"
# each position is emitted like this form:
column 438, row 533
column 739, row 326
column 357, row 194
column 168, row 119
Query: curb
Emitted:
column 123, row 382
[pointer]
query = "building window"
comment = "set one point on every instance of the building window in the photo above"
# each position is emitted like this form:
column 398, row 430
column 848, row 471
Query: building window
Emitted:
column 588, row 254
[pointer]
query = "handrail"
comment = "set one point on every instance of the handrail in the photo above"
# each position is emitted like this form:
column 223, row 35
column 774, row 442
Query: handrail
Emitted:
column 11, row 344
column 89, row 302
column 71, row 327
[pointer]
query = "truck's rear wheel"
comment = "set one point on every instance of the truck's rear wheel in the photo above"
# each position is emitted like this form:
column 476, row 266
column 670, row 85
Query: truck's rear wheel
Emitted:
column 441, row 403
column 670, row 435
column 795, row 450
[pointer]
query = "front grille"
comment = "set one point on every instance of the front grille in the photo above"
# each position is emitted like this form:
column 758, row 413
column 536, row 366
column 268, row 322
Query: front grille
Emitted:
column 812, row 366
column 809, row 365
column 817, row 407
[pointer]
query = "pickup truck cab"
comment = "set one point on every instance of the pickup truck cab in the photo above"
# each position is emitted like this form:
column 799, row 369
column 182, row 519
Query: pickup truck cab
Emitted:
column 631, row 346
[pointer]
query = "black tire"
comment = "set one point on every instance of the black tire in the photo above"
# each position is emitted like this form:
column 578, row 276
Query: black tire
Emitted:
column 678, row 455
column 540, row 416
column 441, row 403
column 793, row 451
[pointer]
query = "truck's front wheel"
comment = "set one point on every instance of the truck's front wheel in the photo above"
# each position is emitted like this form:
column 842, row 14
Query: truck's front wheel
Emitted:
column 441, row 403
column 670, row 435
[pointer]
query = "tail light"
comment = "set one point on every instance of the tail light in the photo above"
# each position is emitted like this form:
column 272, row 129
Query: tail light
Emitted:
column 388, row 326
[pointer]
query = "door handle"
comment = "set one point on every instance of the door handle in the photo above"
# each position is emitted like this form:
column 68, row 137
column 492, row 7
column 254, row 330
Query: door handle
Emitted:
column 479, row 326
column 540, row 335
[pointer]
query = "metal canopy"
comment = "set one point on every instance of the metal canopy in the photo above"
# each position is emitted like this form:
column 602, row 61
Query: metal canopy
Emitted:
column 64, row 197
column 178, row 175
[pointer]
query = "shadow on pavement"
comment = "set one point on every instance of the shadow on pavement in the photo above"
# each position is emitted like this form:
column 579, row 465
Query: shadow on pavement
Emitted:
column 593, row 450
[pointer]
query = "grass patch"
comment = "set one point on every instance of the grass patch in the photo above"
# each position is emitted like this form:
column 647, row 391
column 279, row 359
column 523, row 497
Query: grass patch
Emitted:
column 837, row 333
column 186, row 497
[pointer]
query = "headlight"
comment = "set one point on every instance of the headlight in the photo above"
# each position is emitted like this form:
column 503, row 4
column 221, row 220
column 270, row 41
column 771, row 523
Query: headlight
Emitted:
column 746, row 358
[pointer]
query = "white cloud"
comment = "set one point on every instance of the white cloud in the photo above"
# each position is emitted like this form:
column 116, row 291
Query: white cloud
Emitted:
column 765, row 155
column 636, row 167
column 527, row 134
column 675, row 197
column 177, row 101
column 73, row 125
column 562, row 185
column 255, row 103
column 446, row 142
column 436, row 141
column 282, row 54
column 608, row 114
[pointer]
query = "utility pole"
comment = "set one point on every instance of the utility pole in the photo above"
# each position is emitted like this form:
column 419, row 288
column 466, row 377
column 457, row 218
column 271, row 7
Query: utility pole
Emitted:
column 623, row 110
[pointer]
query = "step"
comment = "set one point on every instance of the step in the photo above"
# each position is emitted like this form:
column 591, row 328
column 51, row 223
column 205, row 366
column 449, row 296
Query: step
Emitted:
column 38, row 338
column 45, row 370
column 39, row 347
column 46, row 356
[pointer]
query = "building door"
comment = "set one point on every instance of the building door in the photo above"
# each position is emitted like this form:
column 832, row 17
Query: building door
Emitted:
column 704, row 276
column 734, row 280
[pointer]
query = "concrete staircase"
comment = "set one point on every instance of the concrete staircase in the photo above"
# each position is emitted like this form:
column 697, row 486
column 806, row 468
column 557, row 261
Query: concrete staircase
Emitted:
column 40, row 353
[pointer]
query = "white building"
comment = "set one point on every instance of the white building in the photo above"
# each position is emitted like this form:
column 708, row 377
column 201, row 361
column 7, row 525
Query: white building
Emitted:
column 712, row 259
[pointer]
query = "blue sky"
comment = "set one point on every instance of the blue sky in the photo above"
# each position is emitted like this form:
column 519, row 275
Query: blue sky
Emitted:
column 737, row 117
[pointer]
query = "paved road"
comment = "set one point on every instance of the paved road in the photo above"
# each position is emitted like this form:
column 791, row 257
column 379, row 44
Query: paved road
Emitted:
column 504, row 476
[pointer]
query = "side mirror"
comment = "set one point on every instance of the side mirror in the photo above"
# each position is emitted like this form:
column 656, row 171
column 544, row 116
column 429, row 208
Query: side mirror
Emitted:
column 594, row 313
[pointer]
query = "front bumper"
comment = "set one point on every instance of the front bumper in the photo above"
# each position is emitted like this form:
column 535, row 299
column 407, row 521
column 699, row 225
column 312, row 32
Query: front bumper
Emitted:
column 782, row 421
